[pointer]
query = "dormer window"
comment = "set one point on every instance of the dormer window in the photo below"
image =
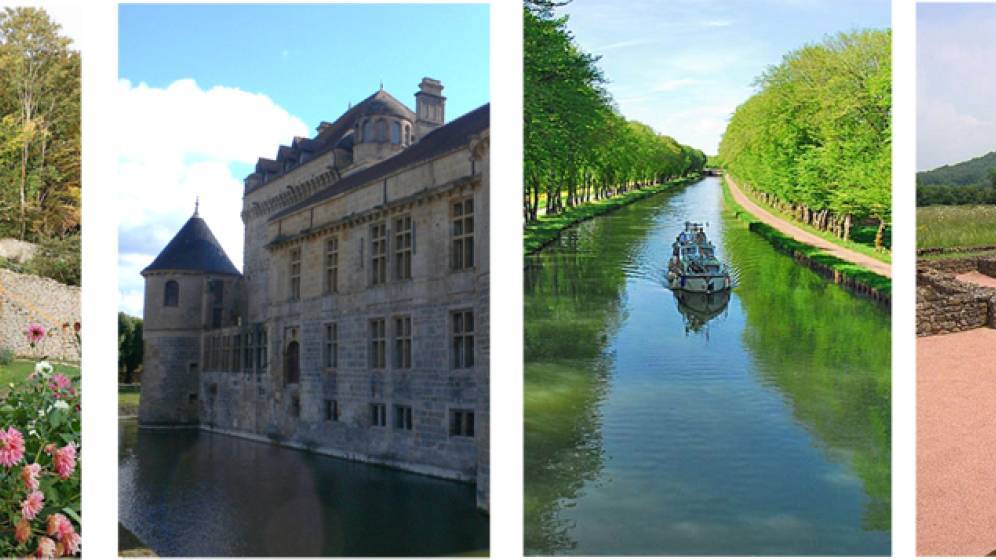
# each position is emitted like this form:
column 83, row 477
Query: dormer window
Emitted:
column 381, row 129
column 289, row 164
column 395, row 133
column 368, row 131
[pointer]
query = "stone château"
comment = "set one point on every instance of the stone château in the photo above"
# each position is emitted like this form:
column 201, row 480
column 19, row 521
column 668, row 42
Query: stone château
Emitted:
column 358, row 326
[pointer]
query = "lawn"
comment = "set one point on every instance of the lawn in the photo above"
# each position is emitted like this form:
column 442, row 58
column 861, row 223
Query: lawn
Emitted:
column 128, row 403
column 955, row 226
column 18, row 370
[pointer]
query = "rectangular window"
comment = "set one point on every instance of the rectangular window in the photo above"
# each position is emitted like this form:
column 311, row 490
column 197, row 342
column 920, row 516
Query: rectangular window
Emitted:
column 462, row 423
column 332, row 265
column 236, row 352
column 403, row 248
column 332, row 410
column 378, row 415
column 331, row 345
column 463, row 339
column 462, row 233
column 403, row 342
column 249, row 352
column 295, row 273
column 226, row 350
column 378, row 254
column 403, row 417
column 378, row 344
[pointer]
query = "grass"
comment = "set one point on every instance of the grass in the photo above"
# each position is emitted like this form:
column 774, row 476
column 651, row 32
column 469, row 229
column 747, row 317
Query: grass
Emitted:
column 128, row 403
column 18, row 370
column 547, row 228
column 955, row 226
column 862, row 236
column 789, row 245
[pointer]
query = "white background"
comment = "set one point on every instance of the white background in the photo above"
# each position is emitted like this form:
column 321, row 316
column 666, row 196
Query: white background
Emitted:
column 98, row 42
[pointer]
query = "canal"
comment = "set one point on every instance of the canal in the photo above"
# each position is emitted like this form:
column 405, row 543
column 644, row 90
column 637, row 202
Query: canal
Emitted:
column 193, row 493
column 653, row 428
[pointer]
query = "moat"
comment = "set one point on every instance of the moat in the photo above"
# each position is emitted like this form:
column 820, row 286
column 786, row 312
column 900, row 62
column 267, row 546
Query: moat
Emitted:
column 193, row 493
column 655, row 429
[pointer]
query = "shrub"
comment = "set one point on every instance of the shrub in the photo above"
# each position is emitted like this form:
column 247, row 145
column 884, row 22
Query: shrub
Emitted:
column 58, row 259
column 6, row 356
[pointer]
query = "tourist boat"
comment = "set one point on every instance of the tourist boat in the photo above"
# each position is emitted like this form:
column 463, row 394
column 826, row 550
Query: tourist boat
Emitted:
column 693, row 266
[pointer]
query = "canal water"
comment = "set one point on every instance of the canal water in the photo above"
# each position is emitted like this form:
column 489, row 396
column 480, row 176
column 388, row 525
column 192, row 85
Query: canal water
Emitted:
column 655, row 428
column 193, row 493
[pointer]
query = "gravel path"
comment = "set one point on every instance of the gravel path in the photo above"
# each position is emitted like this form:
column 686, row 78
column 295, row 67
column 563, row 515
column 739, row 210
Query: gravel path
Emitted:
column 801, row 235
column 956, row 444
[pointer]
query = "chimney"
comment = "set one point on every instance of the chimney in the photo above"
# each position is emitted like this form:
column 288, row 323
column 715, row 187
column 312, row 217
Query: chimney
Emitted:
column 430, row 107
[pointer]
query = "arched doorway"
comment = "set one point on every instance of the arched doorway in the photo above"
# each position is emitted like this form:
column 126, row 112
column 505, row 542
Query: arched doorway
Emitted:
column 292, row 363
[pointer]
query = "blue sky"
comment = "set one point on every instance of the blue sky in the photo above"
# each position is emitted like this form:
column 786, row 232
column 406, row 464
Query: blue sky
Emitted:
column 206, row 89
column 956, row 116
column 683, row 66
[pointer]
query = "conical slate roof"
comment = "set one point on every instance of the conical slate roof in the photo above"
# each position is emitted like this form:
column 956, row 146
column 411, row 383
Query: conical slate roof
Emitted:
column 194, row 248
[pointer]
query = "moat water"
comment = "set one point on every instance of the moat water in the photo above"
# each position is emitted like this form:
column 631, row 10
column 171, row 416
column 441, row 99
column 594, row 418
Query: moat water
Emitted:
column 653, row 428
column 194, row 493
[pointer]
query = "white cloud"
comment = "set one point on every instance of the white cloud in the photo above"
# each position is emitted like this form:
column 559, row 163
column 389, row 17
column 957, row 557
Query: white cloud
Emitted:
column 178, row 143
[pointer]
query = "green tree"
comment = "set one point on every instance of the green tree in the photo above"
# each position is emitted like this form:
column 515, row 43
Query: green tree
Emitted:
column 129, row 346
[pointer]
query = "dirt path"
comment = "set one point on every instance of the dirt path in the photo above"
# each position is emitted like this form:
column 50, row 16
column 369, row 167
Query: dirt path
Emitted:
column 977, row 278
column 801, row 235
column 956, row 460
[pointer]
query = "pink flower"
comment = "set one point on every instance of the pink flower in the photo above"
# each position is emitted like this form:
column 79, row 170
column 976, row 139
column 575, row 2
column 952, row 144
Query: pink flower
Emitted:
column 59, row 527
column 46, row 548
column 50, row 448
column 29, row 474
column 22, row 531
column 71, row 542
column 11, row 447
column 35, row 333
column 65, row 460
column 32, row 505
column 60, row 382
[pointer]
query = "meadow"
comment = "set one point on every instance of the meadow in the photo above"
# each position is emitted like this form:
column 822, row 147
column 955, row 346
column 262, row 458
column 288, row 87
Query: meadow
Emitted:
column 955, row 226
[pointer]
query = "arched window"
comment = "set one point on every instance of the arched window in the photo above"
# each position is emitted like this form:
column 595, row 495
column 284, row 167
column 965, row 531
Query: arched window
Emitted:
column 408, row 134
column 381, row 131
column 368, row 131
column 395, row 133
column 171, row 294
column 292, row 364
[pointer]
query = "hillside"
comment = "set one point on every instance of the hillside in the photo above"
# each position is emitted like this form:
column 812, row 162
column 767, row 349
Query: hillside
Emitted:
column 972, row 172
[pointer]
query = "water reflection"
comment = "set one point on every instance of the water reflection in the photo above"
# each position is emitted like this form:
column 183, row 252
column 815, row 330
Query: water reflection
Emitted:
column 768, row 436
column 192, row 493
column 700, row 308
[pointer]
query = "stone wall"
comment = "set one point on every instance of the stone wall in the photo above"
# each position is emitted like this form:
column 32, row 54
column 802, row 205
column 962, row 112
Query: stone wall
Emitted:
column 946, row 305
column 953, row 266
column 27, row 299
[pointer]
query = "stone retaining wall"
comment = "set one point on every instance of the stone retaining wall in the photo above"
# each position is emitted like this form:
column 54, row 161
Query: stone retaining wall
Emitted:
column 945, row 304
column 27, row 299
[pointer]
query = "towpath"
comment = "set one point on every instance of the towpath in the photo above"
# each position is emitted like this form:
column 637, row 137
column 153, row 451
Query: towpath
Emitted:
column 803, row 236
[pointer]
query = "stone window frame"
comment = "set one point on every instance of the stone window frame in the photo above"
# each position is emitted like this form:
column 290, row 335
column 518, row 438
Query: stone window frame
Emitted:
column 407, row 138
column 377, row 333
column 462, row 234
column 226, row 352
column 462, row 339
column 331, row 279
column 395, row 132
column 378, row 415
column 380, row 131
column 263, row 349
column 378, row 253
column 368, row 131
column 248, row 351
column 330, row 354
column 294, row 268
column 404, row 246
column 236, row 352
column 402, row 355
column 171, row 294
column 332, row 412
column 462, row 423
column 404, row 418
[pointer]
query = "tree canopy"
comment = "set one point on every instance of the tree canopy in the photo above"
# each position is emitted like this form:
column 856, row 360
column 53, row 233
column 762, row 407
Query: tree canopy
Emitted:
column 817, row 137
column 39, row 128
column 577, row 146
column 968, row 182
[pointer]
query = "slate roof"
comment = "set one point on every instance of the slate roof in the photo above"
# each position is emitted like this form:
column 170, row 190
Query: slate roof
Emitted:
column 446, row 138
column 194, row 248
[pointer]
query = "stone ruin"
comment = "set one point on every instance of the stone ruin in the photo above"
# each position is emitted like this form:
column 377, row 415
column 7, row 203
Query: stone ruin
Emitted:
column 945, row 304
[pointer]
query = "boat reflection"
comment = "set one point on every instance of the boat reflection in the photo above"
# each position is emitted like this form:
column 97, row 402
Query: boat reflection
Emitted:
column 698, row 308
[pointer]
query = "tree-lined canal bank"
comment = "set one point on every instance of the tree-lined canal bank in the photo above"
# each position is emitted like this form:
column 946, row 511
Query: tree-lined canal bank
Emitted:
column 194, row 493
column 652, row 428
